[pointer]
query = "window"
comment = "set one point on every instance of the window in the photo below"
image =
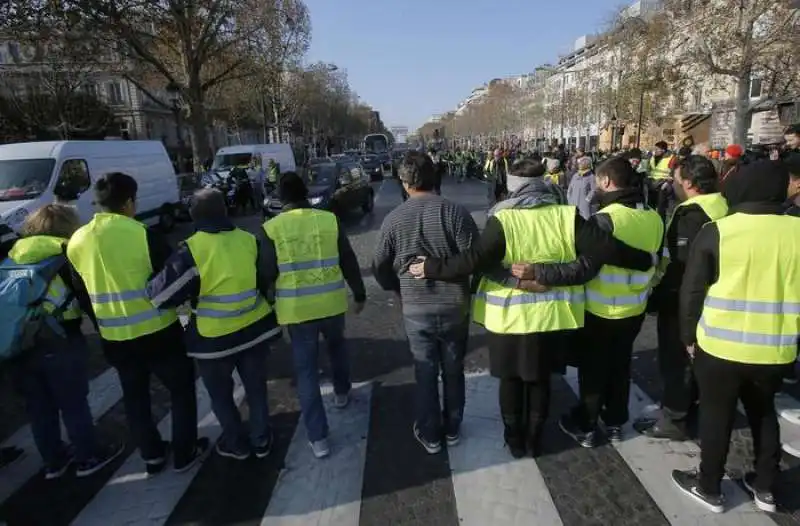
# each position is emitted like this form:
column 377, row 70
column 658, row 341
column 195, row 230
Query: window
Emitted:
column 90, row 89
column 756, row 86
column 73, row 180
column 114, row 91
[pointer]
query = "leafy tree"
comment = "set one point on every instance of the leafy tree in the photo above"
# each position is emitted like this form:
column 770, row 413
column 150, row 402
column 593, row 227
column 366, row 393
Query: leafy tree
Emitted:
column 40, row 116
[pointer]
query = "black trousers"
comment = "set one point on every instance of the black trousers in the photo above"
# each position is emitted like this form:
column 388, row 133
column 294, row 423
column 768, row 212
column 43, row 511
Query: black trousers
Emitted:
column 722, row 383
column 524, row 406
column 604, row 370
column 162, row 355
column 675, row 366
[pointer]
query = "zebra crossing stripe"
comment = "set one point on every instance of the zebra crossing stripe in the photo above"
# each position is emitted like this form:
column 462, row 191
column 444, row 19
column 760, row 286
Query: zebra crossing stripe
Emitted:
column 489, row 484
column 788, row 408
column 325, row 492
column 652, row 461
column 131, row 497
column 104, row 392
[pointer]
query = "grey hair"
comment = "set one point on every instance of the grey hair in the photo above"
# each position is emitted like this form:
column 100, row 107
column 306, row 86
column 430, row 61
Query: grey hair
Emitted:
column 208, row 204
column 585, row 162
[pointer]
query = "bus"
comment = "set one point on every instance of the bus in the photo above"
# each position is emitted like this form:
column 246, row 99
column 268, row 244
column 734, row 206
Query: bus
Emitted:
column 378, row 144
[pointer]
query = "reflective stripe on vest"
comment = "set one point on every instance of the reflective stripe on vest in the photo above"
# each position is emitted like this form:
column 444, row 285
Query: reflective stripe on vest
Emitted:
column 662, row 169
column 545, row 233
column 752, row 313
column 310, row 284
column 113, row 259
column 617, row 293
column 229, row 299
column 35, row 249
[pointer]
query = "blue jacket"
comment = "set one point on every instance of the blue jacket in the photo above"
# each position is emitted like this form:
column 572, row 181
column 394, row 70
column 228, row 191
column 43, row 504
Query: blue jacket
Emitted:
column 179, row 282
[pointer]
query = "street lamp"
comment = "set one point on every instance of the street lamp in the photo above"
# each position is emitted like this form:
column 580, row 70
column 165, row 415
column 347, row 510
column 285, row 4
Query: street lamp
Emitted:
column 613, row 131
column 174, row 93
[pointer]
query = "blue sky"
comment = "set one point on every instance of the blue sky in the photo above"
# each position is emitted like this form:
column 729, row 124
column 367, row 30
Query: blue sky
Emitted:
column 413, row 58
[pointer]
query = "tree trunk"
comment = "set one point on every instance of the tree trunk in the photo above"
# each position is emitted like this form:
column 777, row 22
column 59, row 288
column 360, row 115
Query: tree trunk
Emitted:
column 742, row 112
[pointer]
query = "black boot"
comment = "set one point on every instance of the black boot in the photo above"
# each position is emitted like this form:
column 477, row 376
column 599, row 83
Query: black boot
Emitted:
column 534, row 435
column 514, row 435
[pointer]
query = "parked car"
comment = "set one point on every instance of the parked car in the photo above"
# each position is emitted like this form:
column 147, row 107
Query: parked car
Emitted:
column 337, row 186
column 373, row 166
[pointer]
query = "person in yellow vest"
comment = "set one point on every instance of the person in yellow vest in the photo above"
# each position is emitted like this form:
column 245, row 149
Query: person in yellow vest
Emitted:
column 216, row 269
column 52, row 376
column 307, row 256
column 554, row 173
column 529, row 331
column 659, row 168
column 616, row 301
column 740, row 321
column 700, row 202
column 659, row 164
column 113, row 258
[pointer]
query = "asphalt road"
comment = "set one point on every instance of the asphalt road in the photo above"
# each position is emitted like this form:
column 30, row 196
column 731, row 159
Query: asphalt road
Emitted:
column 388, row 479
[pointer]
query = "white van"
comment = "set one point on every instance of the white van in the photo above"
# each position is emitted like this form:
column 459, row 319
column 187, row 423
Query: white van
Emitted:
column 34, row 174
column 253, row 157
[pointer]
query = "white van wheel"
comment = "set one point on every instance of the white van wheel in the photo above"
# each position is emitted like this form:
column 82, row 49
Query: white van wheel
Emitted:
column 166, row 218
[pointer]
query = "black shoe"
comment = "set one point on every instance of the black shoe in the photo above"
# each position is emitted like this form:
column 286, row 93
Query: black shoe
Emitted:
column 514, row 436
column 99, row 461
column 661, row 429
column 765, row 500
column 689, row 483
column 431, row 447
column 57, row 471
column 264, row 450
column 614, row 434
column 231, row 453
column 201, row 449
column 9, row 455
column 569, row 426
column 154, row 466
column 452, row 438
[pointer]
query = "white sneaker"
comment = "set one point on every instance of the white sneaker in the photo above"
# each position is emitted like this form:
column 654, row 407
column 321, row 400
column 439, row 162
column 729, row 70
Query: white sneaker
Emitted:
column 320, row 448
column 340, row 401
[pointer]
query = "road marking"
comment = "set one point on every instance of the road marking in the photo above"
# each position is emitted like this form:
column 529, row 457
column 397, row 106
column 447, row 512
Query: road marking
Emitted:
column 131, row 497
column 652, row 461
column 788, row 408
column 104, row 392
column 325, row 492
column 489, row 484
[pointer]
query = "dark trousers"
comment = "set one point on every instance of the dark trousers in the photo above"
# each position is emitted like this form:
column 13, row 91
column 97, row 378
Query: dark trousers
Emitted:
column 54, row 383
column 305, row 351
column 162, row 355
column 722, row 383
column 438, row 344
column 675, row 365
column 524, row 406
column 604, row 370
column 217, row 374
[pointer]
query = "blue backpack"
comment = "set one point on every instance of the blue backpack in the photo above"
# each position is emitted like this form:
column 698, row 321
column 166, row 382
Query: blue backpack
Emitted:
column 22, row 294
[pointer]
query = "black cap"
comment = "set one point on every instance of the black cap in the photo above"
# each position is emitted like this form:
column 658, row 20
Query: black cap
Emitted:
column 758, row 182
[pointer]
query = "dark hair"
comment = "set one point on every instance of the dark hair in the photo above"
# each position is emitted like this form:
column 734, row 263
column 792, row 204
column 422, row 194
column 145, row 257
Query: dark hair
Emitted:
column 661, row 144
column 112, row 191
column 620, row 172
column 208, row 204
column 700, row 173
column 292, row 188
column 634, row 153
column 685, row 152
column 418, row 172
column 793, row 129
column 528, row 168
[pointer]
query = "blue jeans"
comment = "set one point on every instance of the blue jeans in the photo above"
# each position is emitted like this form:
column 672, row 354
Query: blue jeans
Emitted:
column 438, row 344
column 54, row 382
column 305, row 349
column 217, row 376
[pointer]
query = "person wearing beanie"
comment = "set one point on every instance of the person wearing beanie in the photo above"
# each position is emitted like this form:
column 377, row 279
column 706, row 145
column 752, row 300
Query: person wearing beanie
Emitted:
column 734, row 151
column 740, row 314
column 659, row 182
column 529, row 331
column 699, row 202
column 307, row 258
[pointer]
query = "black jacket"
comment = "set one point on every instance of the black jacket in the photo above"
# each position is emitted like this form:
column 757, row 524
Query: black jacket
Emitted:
column 702, row 269
column 685, row 225
column 591, row 242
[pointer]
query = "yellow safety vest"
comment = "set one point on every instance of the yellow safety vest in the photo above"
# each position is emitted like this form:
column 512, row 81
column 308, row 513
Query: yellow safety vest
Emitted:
column 617, row 293
column 310, row 284
column 713, row 205
column 545, row 235
column 112, row 257
column 35, row 249
column 229, row 299
column 662, row 169
column 752, row 313
column 554, row 178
